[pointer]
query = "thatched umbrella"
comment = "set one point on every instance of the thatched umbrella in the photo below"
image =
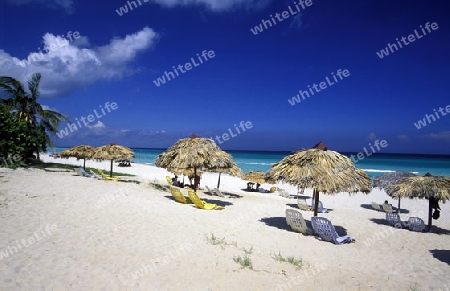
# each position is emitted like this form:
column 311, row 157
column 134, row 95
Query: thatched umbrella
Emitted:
column 383, row 181
column 80, row 152
column 323, row 170
column 434, row 188
column 255, row 176
column 196, row 153
column 112, row 152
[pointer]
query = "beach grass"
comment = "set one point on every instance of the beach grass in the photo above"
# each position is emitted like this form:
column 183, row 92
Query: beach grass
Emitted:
column 298, row 263
column 244, row 261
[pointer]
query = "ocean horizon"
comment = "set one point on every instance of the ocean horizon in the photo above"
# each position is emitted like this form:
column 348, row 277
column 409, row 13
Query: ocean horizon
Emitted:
column 374, row 165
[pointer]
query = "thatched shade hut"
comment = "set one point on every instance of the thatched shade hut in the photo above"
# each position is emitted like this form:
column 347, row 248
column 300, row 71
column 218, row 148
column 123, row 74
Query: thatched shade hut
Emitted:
column 390, row 178
column 433, row 188
column 112, row 152
column 323, row 170
column 80, row 152
column 195, row 153
column 255, row 176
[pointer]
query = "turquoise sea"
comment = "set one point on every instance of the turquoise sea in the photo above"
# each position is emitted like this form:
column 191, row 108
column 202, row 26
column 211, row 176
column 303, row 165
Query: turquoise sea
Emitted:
column 374, row 165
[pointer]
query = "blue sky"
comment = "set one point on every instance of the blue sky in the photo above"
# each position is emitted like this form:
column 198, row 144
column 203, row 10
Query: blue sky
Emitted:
column 250, row 78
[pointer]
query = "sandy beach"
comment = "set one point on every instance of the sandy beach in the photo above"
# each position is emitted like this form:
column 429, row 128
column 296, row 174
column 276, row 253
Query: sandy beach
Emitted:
column 61, row 231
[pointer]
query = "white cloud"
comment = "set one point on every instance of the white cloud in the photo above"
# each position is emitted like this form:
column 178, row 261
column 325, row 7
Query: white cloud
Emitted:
column 66, row 66
column 216, row 5
column 67, row 5
column 443, row 135
column 97, row 125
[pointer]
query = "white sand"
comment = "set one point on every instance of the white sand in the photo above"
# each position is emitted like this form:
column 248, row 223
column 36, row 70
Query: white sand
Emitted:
column 98, row 235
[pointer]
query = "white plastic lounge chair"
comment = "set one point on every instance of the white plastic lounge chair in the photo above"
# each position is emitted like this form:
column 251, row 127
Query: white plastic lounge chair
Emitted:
column 416, row 224
column 283, row 193
column 83, row 172
column 302, row 205
column 376, row 206
column 393, row 219
column 320, row 208
column 387, row 208
column 218, row 193
column 209, row 191
column 296, row 221
column 96, row 175
column 327, row 232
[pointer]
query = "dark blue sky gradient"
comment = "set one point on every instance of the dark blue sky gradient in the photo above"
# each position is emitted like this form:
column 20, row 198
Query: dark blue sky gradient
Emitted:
column 252, row 76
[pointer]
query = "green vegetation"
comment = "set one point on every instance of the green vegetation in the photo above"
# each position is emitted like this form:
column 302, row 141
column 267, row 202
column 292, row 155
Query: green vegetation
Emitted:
column 155, row 184
column 413, row 287
column 219, row 241
column 24, row 124
column 244, row 261
column 298, row 263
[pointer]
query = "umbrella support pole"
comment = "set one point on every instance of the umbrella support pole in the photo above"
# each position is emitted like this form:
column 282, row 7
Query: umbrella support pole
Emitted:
column 316, row 201
column 430, row 210
column 110, row 173
column 398, row 208
column 218, row 182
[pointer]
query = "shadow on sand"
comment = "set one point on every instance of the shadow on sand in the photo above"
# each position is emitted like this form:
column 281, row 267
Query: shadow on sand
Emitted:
column 441, row 255
column 218, row 202
column 369, row 206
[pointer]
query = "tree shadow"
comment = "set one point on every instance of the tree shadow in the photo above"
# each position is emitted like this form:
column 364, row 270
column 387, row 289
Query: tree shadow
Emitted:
column 441, row 255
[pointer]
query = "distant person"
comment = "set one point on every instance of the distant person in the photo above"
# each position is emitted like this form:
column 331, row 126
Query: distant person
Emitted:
column 175, row 181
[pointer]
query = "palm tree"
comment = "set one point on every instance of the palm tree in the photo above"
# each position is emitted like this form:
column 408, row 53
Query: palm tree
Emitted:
column 25, row 105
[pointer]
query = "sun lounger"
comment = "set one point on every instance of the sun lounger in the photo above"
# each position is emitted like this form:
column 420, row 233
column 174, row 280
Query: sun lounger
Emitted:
column 202, row 204
column 169, row 180
column 387, row 208
column 296, row 221
column 327, row 232
column 393, row 219
column 416, row 224
column 302, row 205
column 376, row 206
column 84, row 174
column 209, row 191
column 179, row 197
column 283, row 193
column 218, row 193
column 108, row 178
column 96, row 175
column 320, row 208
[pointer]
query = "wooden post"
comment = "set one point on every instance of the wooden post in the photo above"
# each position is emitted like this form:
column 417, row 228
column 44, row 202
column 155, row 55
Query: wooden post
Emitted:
column 316, row 201
column 430, row 210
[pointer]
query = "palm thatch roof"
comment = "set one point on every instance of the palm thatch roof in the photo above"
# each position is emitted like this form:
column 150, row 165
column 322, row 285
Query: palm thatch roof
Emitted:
column 113, row 152
column 434, row 188
column 326, row 171
column 422, row 187
column 390, row 178
column 257, row 177
column 80, row 152
column 198, row 154
column 323, row 170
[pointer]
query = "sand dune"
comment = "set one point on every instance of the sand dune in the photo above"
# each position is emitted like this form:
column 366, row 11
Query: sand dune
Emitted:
column 99, row 235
